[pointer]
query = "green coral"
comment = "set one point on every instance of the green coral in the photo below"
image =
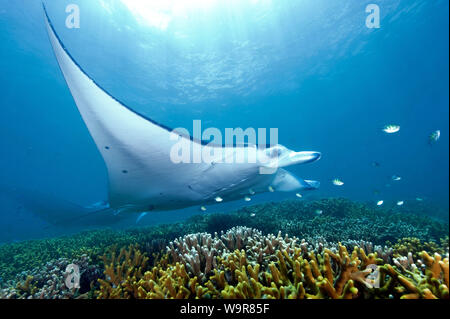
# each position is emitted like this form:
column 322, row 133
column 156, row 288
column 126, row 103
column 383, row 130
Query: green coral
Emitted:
column 415, row 246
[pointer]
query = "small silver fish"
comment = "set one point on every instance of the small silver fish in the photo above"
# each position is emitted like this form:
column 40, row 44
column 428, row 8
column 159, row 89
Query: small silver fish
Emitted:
column 299, row 195
column 271, row 189
column 337, row 182
column 396, row 178
column 419, row 199
column 252, row 215
column 434, row 137
column 218, row 199
column 380, row 202
column 318, row 212
column 391, row 128
column 203, row 208
column 400, row 203
column 247, row 198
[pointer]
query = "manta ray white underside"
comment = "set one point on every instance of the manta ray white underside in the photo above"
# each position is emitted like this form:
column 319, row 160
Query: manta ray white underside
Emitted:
column 136, row 150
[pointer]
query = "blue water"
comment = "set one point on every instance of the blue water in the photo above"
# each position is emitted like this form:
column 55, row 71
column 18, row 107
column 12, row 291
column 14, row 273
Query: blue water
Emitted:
column 312, row 69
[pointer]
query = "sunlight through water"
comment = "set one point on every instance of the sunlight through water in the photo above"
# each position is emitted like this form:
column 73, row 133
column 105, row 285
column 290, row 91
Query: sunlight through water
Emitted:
column 159, row 14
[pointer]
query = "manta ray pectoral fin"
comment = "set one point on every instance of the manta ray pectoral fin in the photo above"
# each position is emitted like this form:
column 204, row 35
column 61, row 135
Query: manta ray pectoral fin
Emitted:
column 287, row 182
column 136, row 149
column 138, row 152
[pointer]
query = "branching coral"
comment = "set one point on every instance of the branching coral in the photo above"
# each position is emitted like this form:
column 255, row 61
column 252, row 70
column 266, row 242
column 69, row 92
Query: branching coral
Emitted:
column 198, row 252
column 294, row 275
column 415, row 246
column 125, row 278
column 432, row 283
column 121, row 271
column 246, row 264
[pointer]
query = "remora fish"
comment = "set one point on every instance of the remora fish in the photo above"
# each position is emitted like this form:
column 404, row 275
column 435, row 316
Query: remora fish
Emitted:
column 137, row 153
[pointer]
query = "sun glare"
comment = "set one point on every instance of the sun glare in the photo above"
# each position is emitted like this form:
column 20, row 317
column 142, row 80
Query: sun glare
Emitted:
column 160, row 13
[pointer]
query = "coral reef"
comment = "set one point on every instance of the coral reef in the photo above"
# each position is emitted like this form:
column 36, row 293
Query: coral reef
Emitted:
column 48, row 282
column 341, row 219
column 428, row 281
column 243, row 263
column 27, row 255
column 198, row 251
column 350, row 250
column 415, row 246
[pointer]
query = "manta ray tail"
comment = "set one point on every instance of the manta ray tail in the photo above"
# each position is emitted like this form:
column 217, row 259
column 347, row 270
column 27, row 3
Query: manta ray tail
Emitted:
column 140, row 217
column 56, row 210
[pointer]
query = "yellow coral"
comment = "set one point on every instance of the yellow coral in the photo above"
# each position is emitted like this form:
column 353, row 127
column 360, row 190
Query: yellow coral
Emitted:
column 294, row 276
column 292, row 273
column 414, row 285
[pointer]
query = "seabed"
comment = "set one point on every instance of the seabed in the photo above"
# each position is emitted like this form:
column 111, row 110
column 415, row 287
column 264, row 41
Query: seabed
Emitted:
column 279, row 250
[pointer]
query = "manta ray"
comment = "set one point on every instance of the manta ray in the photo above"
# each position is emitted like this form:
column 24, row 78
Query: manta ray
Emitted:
column 137, row 151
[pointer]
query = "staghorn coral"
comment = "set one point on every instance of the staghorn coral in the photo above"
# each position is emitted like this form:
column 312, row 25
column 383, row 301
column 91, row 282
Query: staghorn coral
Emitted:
column 121, row 271
column 246, row 264
column 430, row 283
column 196, row 252
column 129, row 275
column 295, row 275
column 172, row 281
column 302, row 274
